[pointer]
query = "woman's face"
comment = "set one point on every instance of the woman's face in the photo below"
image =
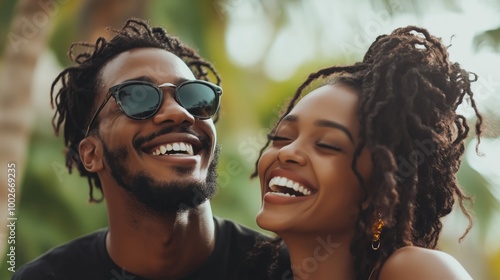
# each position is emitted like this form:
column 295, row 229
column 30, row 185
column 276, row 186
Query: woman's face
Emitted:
column 307, row 183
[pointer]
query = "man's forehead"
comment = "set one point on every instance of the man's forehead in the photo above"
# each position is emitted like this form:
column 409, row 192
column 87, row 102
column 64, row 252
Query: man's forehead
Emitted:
column 158, row 64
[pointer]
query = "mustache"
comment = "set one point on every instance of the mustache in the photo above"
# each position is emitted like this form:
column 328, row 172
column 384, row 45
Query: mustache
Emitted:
column 184, row 128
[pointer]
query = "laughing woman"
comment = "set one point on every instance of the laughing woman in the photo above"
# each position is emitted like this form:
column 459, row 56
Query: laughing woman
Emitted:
column 358, row 173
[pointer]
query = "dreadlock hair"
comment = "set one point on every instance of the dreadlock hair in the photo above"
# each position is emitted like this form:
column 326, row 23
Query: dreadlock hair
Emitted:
column 75, row 100
column 408, row 95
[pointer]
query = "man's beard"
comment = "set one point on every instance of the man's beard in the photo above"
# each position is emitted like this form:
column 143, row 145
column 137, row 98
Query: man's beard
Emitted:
column 160, row 196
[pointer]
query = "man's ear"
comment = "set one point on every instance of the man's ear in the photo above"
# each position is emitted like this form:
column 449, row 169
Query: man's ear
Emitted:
column 90, row 150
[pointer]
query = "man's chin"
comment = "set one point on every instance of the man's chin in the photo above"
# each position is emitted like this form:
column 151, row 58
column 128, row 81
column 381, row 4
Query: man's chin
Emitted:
column 165, row 197
column 170, row 197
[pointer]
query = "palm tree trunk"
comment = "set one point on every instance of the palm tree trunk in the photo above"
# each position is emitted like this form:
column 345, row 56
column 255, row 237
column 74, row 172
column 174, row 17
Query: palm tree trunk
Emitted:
column 25, row 43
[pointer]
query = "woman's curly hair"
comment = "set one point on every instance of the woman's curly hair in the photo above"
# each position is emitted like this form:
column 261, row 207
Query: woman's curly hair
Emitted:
column 408, row 95
column 75, row 101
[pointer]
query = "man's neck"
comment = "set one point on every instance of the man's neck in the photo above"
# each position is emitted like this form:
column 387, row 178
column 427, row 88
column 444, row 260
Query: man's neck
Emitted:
column 160, row 246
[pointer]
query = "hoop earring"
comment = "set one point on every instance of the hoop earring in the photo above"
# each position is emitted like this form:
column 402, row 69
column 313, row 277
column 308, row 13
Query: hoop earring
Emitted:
column 377, row 230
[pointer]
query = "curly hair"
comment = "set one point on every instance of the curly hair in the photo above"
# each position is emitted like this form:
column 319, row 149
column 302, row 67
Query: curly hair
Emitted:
column 75, row 100
column 408, row 95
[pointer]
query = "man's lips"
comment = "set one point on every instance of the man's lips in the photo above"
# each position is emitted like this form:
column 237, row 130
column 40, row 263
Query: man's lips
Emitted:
column 173, row 144
column 184, row 133
column 176, row 148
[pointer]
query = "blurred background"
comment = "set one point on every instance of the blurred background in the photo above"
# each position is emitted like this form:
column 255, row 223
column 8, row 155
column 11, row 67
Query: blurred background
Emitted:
column 263, row 50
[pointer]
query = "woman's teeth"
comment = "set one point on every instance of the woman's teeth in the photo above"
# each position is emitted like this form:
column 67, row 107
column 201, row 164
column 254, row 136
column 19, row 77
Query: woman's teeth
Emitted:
column 176, row 148
column 287, row 187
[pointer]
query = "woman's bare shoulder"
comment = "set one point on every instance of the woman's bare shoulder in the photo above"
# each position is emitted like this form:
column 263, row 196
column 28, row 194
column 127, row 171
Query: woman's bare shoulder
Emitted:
column 412, row 263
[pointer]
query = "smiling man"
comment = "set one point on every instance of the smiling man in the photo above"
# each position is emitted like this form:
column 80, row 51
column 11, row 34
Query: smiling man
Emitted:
column 138, row 115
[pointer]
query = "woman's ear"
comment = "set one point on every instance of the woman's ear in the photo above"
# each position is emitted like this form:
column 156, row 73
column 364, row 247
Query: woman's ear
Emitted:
column 90, row 150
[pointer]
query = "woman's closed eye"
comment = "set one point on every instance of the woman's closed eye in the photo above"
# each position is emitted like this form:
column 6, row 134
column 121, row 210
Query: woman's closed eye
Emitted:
column 274, row 138
column 329, row 147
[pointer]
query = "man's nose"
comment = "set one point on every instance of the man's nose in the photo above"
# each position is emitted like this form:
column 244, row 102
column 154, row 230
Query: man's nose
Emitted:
column 171, row 111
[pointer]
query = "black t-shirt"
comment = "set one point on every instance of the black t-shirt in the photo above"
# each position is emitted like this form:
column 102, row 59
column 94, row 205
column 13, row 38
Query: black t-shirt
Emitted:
column 86, row 258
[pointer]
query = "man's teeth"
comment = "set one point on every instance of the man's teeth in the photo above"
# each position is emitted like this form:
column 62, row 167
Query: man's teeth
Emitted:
column 172, row 148
column 285, row 182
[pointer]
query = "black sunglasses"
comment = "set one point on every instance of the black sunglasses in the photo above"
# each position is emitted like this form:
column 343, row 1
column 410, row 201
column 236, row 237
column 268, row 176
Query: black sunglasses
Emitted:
column 140, row 100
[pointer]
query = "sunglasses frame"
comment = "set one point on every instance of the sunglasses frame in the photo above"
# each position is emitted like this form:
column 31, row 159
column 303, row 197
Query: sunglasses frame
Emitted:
column 114, row 92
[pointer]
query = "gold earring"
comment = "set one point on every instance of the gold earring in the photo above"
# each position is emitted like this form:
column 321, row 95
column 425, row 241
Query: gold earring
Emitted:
column 377, row 230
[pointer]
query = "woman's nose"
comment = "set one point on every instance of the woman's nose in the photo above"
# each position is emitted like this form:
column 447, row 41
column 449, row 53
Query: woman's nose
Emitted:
column 292, row 153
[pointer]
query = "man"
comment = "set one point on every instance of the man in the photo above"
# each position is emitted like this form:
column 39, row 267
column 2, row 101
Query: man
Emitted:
column 138, row 122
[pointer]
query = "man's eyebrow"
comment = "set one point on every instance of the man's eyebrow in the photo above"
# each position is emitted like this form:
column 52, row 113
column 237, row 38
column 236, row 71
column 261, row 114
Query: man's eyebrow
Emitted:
column 154, row 81
column 143, row 79
column 332, row 124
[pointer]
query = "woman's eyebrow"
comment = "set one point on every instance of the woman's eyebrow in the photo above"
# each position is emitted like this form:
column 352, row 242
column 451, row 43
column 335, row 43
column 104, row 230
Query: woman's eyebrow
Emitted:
column 290, row 118
column 322, row 123
column 336, row 125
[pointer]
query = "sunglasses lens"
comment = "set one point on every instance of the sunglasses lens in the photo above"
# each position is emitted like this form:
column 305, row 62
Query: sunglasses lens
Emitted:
column 198, row 99
column 139, row 101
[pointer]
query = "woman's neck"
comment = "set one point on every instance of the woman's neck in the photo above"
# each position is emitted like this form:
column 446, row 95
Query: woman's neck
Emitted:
column 319, row 257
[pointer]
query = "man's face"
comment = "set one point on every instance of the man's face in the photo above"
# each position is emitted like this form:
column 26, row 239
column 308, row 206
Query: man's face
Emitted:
column 177, row 179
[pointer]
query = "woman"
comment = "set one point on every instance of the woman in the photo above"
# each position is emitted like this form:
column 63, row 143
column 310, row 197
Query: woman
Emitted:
column 360, row 170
